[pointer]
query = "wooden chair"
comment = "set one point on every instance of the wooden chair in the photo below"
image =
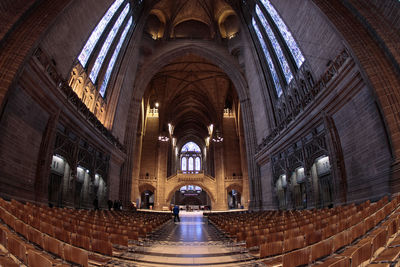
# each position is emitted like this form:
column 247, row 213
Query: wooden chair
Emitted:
column 46, row 228
column 119, row 239
column 35, row 236
column 80, row 241
column 389, row 254
column 313, row 237
column 321, row 249
column 3, row 236
column 38, row 260
column 53, row 246
column 7, row 261
column 379, row 241
column 340, row 240
column 102, row 247
column 75, row 255
column 62, row 235
column 17, row 248
column 271, row 249
column 100, row 235
column 293, row 243
column 297, row 257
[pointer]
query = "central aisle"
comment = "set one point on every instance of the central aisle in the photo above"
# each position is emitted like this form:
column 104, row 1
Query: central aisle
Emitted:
column 191, row 242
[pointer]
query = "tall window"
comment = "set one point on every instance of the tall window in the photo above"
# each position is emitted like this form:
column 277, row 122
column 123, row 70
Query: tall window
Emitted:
column 97, row 32
column 114, row 57
column 270, row 28
column 107, row 43
column 271, row 65
column 286, row 34
column 190, row 158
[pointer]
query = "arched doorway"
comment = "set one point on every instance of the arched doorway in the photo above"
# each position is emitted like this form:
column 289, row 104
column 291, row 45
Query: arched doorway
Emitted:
column 147, row 199
column 147, row 194
column 234, row 196
column 234, row 199
column 191, row 197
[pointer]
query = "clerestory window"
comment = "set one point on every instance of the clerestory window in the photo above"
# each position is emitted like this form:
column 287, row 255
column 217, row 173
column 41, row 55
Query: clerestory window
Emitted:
column 278, row 45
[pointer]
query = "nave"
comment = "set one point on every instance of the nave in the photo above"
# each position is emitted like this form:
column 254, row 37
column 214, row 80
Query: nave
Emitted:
column 191, row 242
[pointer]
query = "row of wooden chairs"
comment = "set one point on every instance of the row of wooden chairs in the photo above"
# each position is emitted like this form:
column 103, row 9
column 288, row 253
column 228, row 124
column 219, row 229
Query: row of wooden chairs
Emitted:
column 29, row 255
column 74, row 246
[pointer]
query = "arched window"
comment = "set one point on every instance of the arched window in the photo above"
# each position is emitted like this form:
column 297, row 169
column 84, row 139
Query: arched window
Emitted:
column 97, row 32
column 286, row 34
column 190, row 158
column 197, row 164
column 271, row 31
column 114, row 57
column 275, row 44
column 184, row 164
column 191, row 146
column 271, row 65
column 107, row 44
column 190, row 164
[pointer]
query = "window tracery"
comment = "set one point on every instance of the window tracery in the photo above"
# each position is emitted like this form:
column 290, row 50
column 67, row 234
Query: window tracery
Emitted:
column 114, row 57
column 275, row 44
column 97, row 32
column 267, row 55
column 107, row 44
column 190, row 158
column 286, row 34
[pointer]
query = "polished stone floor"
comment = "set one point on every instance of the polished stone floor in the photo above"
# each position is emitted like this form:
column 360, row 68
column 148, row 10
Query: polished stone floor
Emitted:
column 191, row 242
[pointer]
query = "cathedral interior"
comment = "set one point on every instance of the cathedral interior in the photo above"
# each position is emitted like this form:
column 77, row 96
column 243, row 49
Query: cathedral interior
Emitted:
column 273, row 125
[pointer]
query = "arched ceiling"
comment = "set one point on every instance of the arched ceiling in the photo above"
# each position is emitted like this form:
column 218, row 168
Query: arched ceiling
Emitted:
column 191, row 93
column 172, row 13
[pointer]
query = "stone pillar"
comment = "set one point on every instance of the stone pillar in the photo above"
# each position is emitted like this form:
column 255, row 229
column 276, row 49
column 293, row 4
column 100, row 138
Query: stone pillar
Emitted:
column 45, row 158
column 135, row 194
column 162, row 162
column 221, row 196
column 245, row 201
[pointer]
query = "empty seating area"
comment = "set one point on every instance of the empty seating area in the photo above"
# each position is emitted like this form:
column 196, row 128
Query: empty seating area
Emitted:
column 350, row 235
column 42, row 236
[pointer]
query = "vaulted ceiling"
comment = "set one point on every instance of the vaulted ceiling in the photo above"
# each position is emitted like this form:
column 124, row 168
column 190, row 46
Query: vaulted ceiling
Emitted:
column 192, row 18
column 192, row 94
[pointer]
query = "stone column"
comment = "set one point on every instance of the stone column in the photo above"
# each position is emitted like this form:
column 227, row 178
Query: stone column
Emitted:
column 162, row 162
column 245, row 180
column 45, row 158
column 135, row 194
column 221, row 196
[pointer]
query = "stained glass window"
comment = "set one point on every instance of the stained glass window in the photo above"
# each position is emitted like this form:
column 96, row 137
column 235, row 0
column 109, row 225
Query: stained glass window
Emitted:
column 190, row 164
column 287, row 35
column 184, row 166
column 274, row 74
column 95, row 36
column 197, row 164
column 191, row 146
column 275, row 44
column 113, row 59
column 107, row 43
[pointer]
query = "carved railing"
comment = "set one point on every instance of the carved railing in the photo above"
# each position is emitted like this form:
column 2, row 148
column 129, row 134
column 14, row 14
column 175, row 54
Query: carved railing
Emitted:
column 190, row 172
column 233, row 178
column 188, row 176
column 299, row 100
column 147, row 178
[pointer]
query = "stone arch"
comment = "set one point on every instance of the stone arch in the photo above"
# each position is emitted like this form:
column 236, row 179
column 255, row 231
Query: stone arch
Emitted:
column 179, row 185
column 219, row 56
column 144, row 187
column 236, row 187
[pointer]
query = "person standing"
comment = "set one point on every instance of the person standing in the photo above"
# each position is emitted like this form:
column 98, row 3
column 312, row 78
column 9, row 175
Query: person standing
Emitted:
column 175, row 210
column 96, row 203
